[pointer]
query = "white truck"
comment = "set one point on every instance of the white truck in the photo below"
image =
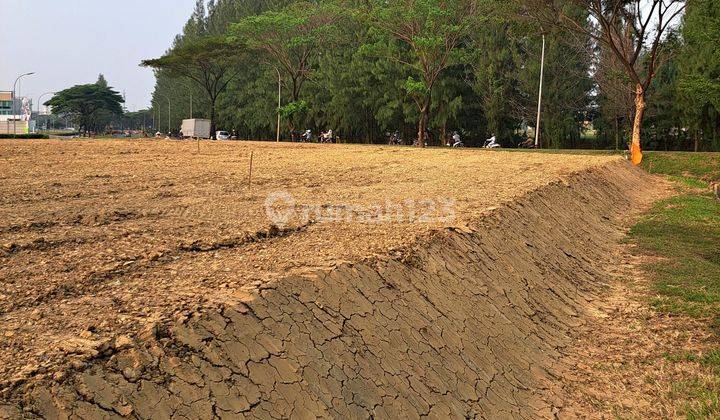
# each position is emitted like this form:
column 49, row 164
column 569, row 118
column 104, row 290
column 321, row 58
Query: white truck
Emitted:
column 196, row 128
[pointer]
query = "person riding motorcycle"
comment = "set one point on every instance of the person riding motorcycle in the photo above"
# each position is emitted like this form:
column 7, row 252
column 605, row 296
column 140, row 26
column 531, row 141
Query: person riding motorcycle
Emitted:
column 327, row 137
column 307, row 136
column 491, row 143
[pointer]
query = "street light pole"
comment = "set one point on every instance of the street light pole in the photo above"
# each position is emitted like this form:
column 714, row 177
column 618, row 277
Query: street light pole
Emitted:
column 277, row 137
column 542, row 74
column 40, row 100
column 191, row 98
column 13, row 100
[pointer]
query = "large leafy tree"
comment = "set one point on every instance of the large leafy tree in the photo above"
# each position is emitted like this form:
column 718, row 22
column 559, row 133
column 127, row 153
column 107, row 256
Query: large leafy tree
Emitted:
column 632, row 30
column 103, row 118
column 290, row 41
column 494, row 60
column 447, row 101
column 86, row 104
column 243, row 105
column 208, row 61
column 432, row 32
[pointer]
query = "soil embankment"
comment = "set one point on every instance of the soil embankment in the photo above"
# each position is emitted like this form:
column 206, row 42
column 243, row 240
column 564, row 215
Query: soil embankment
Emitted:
column 101, row 238
column 471, row 322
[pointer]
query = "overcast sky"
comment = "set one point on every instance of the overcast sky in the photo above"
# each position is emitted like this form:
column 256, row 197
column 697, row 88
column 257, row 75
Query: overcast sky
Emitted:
column 69, row 42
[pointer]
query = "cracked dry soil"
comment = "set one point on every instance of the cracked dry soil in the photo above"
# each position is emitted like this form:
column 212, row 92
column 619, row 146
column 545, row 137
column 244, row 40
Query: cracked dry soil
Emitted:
column 469, row 319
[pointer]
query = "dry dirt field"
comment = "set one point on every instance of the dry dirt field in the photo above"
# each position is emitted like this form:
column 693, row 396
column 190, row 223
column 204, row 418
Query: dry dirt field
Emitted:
column 105, row 238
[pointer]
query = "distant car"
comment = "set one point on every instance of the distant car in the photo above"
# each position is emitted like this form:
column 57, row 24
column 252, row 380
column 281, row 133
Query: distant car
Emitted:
column 222, row 135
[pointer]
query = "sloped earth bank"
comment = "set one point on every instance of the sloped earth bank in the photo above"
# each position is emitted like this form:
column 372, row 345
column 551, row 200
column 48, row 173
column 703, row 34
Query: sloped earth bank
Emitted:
column 466, row 323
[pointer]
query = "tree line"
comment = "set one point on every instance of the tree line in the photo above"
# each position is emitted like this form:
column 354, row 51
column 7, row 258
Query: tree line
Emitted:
column 616, row 72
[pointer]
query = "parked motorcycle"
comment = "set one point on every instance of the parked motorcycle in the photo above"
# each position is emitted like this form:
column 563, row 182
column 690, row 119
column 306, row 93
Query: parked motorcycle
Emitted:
column 457, row 142
column 394, row 139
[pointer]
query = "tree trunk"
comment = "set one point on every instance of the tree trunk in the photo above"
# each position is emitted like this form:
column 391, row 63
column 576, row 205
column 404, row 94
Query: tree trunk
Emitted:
column 697, row 141
column 635, row 150
column 213, row 128
column 422, row 126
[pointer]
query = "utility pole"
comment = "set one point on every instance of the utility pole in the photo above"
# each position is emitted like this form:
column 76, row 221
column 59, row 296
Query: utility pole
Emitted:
column 13, row 100
column 542, row 74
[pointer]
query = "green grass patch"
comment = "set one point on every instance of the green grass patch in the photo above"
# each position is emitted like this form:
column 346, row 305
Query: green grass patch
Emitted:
column 700, row 166
column 700, row 398
column 710, row 360
column 681, row 357
column 697, row 395
column 684, row 231
column 689, row 182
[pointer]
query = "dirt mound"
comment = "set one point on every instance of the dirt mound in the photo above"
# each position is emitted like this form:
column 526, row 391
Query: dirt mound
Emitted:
column 465, row 323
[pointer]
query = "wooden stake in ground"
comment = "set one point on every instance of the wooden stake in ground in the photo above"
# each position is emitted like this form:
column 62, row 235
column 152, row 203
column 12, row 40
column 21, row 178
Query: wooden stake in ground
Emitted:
column 198, row 144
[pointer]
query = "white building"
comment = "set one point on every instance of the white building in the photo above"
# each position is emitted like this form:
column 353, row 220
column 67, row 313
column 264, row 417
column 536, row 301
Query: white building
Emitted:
column 15, row 114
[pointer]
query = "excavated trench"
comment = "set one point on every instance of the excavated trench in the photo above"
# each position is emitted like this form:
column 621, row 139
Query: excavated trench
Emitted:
column 471, row 322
